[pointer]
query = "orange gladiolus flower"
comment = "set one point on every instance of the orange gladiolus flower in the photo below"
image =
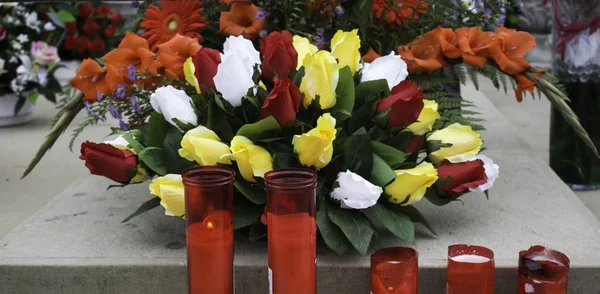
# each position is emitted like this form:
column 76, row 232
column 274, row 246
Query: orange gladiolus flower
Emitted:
column 447, row 40
column 525, row 84
column 513, row 46
column 370, row 55
column 400, row 12
column 476, row 45
column 90, row 79
column 172, row 54
column 182, row 17
column 423, row 54
column 133, row 50
column 241, row 20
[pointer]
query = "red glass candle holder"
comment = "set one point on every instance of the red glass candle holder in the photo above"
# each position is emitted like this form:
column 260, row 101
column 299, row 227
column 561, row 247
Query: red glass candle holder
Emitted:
column 395, row 270
column 292, row 230
column 542, row 271
column 470, row 270
column 209, row 229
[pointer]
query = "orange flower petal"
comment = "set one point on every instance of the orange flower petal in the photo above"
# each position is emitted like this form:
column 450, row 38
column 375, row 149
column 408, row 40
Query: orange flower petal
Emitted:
column 241, row 20
column 173, row 64
column 133, row 42
column 525, row 84
column 181, row 46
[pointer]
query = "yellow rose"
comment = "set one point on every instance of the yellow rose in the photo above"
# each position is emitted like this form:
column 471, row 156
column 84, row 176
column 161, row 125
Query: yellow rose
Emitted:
column 410, row 185
column 303, row 47
column 188, row 70
column 426, row 119
column 170, row 190
column 252, row 160
column 203, row 146
column 315, row 148
column 345, row 47
column 465, row 143
column 321, row 75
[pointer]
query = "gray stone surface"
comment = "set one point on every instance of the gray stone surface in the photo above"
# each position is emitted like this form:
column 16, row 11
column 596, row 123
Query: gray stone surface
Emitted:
column 77, row 243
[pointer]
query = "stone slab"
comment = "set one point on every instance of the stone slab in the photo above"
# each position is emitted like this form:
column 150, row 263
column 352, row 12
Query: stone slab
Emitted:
column 77, row 243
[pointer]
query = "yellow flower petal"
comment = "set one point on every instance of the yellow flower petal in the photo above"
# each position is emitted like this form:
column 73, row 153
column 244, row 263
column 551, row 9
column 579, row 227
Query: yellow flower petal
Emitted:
column 204, row 147
column 429, row 114
column 345, row 47
column 315, row 148
column 188, row 71
column 410, row 185
column 303, row 47
column 252, row 160
column 171, row 192
column 465, row 143
column 321, row 75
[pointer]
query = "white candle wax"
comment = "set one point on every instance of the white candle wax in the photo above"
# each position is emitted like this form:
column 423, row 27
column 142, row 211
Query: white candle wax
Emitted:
column 470, row 258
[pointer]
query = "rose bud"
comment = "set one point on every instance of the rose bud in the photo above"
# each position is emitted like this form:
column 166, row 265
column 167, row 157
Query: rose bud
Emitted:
column 105, row 160
column 279, row 55
column 406, row 103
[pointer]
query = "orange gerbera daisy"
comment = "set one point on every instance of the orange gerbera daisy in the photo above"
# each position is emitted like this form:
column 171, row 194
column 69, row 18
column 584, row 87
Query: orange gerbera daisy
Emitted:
column 91, row 79
column 133, row 50
column 242, row 20
column 397, row 12
column 170, row 18
column 172, row 54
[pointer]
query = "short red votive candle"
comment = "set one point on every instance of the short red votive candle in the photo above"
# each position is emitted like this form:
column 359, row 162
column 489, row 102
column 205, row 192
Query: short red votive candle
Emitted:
column 542, row 271
column 395, row 270
column 209, row 229
column 292, row 231
column 470, row 270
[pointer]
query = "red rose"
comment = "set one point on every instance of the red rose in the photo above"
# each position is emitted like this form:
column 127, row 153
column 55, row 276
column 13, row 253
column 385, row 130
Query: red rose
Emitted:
column 406, row 102
column 415, row 144
column 279, row 55
column 90, row 27
column 110, row 31
column 83, row 44
column 103, row 10
column 206, row 62
column 97, row 45
column 106, row 160
column 283, row 101
column 70, row 42
column 70, row 28
column 465, row 175
column 116, row 18
column 85, row 10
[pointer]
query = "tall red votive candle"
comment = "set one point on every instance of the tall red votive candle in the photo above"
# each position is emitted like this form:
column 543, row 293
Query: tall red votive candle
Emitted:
column 470, row 270
column 292, row 229
column 209, row 229
column 395, row 270
column 542, row 271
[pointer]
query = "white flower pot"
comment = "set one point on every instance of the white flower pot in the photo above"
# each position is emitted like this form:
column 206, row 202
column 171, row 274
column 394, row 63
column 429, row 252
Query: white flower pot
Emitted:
column 7, row 111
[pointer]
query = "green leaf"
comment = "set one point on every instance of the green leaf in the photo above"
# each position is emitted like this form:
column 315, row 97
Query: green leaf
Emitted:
column 382, row 119
column 435, row 145
column 434, row 197
column 396, row 222
column 257, row 231
column 183, row 126
column 299, row 75
column 33, row 96
column 392, row 156
column 145, row 207
column 381, row 174
column 345, row 95
column 358, row 153
column 416, row 216
column 252, row 194
column 263, row 129
column 245, row 213
column 65, row 16
column 55, row 18
column 333, row 235
column 285, row 160
column 157, row 130
column 137, row 146
column 174, row 163
column 355, row 227
column 372, row 89
column 153, row 158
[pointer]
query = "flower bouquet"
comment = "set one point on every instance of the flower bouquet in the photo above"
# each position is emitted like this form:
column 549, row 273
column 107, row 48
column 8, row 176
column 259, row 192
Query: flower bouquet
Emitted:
column 28, row 56
column 381, row 131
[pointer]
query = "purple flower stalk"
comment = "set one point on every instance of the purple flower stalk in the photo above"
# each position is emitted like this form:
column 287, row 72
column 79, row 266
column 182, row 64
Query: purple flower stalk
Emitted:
column 260, row 14
column 263, row 33
column 134, row 3
column 131, row 72
column 303, row 21
column 98, row 96
column 339, row 10
column 122, row 125
column 135, row 104
column 120, row 91
column 87, row 108
column 487, row 15
column 114, row 113
column 100, row 118
column 320, row 31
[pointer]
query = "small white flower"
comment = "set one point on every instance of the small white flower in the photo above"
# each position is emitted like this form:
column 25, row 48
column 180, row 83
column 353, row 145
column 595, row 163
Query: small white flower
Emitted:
column 42, row 77
column 32, row 21
column 355, row 192
column 492, row 171
column 16, row 87
column 49, row 26
column 391, row 68
column 17, row 46
column 22, row 38
column 13, row 59
column 117, row 142
column 174, row 103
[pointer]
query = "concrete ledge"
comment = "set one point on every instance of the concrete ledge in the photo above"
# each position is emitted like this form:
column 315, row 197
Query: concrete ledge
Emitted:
column 76, row 244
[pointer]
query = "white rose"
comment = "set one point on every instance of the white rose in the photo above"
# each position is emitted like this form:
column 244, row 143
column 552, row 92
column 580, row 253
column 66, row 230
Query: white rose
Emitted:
column 234, row 78
column 355, row 192
column 118, row 142
column 391, row 68
column 43, row 53
column 492, row 171
column 173, row 103
column 243, row 48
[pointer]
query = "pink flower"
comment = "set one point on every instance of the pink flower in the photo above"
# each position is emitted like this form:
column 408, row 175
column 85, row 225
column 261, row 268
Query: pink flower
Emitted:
column 43, row 53
column 2, row 33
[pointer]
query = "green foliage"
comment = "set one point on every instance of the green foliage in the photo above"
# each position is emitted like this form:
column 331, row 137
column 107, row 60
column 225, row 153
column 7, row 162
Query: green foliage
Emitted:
column 356, row 227
column 396, row 222
column 145, row 207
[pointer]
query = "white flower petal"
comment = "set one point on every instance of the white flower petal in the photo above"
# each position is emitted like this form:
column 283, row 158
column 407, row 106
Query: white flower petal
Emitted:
column 118, row 141
column 243, row 48
column 173, row 103
column 492, row 171
column 234, row 78
column 391, row 68
column 355, row 192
